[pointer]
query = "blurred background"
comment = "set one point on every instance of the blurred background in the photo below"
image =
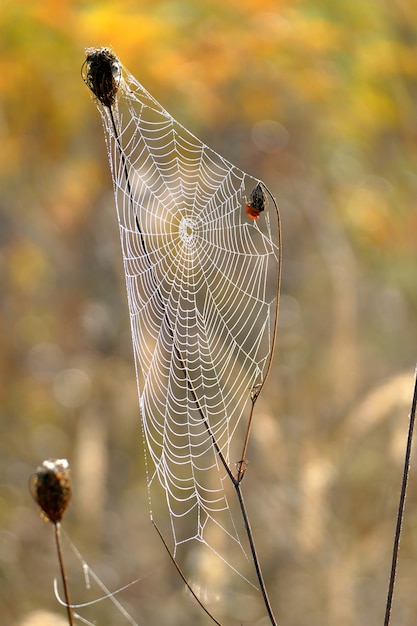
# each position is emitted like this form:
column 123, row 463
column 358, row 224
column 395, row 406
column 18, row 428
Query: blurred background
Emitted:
column 318, row 99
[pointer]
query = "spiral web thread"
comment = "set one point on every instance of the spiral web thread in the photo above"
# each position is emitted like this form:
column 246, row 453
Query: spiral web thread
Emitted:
column 201, row 281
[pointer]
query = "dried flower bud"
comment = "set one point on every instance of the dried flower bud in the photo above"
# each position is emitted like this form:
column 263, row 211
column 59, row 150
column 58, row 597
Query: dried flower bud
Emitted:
column 51, row 488
column 101, row 72
column 257, row 202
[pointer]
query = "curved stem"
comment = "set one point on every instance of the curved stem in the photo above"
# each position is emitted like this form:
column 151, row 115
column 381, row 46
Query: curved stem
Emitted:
column 257, row 390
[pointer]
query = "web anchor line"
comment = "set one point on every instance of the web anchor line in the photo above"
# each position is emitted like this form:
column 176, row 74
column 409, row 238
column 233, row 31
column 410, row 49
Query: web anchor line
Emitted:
column 103, row 75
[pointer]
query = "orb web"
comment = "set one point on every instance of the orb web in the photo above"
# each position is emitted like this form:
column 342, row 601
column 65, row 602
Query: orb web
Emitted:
column 202, row 284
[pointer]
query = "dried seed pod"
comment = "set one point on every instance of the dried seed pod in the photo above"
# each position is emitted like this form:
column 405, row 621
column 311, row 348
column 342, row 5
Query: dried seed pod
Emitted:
column 101, row 72
column 51, row 488
column 257, row 202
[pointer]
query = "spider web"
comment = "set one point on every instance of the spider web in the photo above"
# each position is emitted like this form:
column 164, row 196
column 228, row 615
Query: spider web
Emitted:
column 201, row 281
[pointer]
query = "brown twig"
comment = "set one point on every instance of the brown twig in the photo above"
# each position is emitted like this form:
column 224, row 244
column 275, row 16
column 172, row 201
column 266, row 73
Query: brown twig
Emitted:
column 401, row 505
column 63, row 573
column 177, row 567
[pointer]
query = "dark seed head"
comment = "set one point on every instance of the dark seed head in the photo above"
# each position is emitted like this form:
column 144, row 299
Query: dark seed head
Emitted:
column 101, row 72
column 257, row 199
column 51, row 488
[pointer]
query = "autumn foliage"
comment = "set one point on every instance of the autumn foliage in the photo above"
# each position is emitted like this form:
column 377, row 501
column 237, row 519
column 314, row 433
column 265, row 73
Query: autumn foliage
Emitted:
column 319, row 101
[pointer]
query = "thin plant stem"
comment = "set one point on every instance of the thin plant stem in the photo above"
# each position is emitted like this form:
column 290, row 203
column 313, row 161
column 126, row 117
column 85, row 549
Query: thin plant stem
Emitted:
column 401, row 505
column 63, row 573
column 255, row 555
column 177, row 567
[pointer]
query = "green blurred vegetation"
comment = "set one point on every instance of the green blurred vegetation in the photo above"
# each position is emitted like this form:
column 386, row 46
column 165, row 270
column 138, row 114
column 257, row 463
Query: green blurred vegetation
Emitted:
column 319, row 100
